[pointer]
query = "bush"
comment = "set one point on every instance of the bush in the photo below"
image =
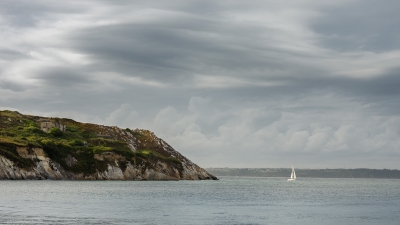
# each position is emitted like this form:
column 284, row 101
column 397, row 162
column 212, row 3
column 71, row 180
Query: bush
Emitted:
column 56, row 132
column 77, row 143
column 33, row 130
column 72, row 129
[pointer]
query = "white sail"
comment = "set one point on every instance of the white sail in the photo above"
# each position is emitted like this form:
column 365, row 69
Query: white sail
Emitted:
column 292, row 175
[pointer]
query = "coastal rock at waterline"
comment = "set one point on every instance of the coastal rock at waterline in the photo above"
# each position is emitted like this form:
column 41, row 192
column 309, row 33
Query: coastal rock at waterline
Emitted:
column 46, row 168
column 43, row 169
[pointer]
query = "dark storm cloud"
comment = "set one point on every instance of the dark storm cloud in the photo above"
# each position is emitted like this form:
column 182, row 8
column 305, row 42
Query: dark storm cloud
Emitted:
column 360, row 25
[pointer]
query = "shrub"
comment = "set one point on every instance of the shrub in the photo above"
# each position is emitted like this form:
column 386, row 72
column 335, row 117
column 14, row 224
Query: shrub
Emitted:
column 33, row 130
column 72, row 129
column 77, row 143
column 56, row 132
column 30, row 123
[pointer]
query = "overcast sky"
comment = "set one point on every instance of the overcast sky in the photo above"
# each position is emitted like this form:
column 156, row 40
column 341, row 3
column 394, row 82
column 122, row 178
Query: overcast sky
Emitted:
column 269, row 83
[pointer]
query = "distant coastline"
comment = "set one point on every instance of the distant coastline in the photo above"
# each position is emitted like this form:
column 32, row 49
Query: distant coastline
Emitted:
column 317, row 173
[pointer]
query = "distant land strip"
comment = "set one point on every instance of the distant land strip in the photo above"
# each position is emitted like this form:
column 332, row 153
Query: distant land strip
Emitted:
column 317, row 173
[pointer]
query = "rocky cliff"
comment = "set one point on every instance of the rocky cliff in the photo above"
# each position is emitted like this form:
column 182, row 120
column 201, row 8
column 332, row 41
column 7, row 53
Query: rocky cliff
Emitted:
column 33, row 147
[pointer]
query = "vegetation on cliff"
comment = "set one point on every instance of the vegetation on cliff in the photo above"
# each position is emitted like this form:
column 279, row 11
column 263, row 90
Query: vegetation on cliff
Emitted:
column 82, row 148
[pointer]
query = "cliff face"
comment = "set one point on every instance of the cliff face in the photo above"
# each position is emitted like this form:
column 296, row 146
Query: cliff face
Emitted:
column 87, row 152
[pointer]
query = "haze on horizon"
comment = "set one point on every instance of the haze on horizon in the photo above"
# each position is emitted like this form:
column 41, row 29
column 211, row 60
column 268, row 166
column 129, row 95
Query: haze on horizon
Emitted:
column 265, row 84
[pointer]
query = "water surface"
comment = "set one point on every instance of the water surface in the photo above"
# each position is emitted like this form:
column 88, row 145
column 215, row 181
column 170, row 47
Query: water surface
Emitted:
column 231, row 200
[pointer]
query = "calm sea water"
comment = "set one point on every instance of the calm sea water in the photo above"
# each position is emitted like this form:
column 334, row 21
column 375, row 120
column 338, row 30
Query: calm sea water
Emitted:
column 231, row 200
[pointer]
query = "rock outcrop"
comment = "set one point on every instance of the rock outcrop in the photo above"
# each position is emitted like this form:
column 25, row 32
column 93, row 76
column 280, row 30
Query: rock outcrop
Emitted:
column 44, row 167
column 87, row 152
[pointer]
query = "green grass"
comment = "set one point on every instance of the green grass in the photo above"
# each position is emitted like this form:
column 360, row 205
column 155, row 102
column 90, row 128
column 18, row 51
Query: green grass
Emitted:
column 101, row 149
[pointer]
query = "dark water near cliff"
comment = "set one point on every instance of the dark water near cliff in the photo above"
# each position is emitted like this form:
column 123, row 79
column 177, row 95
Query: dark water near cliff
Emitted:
column 228, row 201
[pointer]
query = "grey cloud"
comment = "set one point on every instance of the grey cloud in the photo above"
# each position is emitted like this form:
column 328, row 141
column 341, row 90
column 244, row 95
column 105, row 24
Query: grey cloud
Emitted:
column 10, row 54
column 160, row 53
column 175, row 48
column 11, row 86
column 62, row 77
column 264, row 118
column 380, row 91
column 20, row 13
column 360, row 25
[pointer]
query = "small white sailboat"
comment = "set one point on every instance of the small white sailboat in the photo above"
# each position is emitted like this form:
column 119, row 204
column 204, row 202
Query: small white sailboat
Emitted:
column 293, row 175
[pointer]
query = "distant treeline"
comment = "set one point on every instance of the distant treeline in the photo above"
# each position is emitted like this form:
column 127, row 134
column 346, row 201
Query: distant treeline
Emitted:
column 323, row 173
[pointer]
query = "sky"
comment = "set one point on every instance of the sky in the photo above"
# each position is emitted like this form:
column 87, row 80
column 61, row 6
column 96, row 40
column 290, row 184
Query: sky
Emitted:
column 262, row 83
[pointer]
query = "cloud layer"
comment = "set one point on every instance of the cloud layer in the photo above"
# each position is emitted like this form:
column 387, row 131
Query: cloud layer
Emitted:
column 238, row 84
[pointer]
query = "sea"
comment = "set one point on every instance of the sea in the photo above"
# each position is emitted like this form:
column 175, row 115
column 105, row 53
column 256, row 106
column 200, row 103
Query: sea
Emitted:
column 230, row 200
